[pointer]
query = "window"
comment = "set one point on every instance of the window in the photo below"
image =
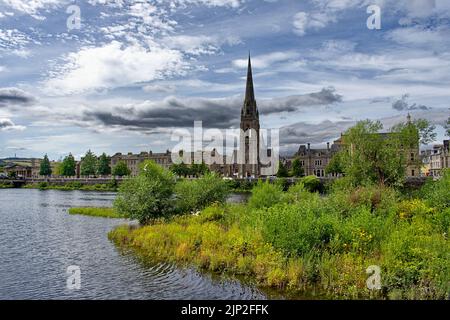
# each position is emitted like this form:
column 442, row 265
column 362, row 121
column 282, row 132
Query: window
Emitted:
column 413, row 173
column 412, row 156
column 318, row 162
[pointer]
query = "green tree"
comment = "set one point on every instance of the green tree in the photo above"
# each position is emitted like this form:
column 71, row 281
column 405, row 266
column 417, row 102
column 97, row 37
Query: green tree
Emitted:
column 121, row 169
column 193, row 195
column 147, row 196
column 45, row 169
column 371, row 157
column 181, row 170
column 335, row 166
column 282, row 171
column 422, row 127
column 104, row 167
column 68, row 166
column 88, row 164
column 297, row 169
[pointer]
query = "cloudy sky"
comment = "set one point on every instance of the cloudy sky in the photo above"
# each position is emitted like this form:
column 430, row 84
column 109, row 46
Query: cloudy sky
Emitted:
column 134, row 70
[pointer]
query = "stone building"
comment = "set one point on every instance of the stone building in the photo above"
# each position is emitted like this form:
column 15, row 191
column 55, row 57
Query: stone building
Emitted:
column 134, row 160
column 439, row 159
column 249, row 141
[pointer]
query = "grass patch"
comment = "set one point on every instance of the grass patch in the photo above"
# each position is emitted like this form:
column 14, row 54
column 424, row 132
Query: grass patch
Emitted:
column 96, row 212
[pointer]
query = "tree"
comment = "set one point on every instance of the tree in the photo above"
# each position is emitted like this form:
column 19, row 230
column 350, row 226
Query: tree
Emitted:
column 121, row 169
column 297, row 169
column 68, row 166
column 45, row 169
column 424, row 128
column 282, row 171
column 147, row 196
column 88, row 164
column 335, row 166
column 181, row 170
column 104, row 167
column 371, row 157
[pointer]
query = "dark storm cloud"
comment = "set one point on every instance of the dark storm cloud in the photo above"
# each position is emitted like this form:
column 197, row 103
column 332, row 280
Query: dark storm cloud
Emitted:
column 215, row 113
column 403, row 105
column 14, row 96
column 303, row 133
column 6, row 123
column 292, row 103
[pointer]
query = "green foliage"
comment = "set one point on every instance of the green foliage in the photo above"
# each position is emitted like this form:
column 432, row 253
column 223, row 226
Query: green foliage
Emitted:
column 147, row 196
column 437, row 193
column 336, row 164
column 121, row 169
column 282, row 171
column 370, row 157
column 265, row 194
column 45, row 168
column 88, row 165
column 95, row 212
column 297, row 169
column 193, row 195
column 104, row 167
column 311, row 183
column 68, row 166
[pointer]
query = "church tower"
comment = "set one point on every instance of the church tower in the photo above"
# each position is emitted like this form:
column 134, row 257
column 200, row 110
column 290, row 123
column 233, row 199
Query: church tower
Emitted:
column 249, row 136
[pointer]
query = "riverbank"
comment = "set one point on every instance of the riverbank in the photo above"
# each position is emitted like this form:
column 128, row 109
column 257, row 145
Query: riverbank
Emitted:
column 106, row 187
column 300, row 243
column 96, row 212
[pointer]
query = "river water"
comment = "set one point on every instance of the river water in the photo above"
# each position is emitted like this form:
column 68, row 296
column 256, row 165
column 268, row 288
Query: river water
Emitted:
column 39, row 240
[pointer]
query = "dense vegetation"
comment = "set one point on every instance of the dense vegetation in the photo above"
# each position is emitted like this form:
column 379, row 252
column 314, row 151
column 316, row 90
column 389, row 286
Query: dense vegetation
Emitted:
column 300, row 242
column 155, row 193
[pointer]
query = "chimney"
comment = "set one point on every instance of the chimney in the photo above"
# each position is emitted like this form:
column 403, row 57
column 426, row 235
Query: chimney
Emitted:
column 328, row 146
column 309, row 146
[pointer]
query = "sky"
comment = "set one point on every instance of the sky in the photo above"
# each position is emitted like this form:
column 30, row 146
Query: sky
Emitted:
column 132, row 71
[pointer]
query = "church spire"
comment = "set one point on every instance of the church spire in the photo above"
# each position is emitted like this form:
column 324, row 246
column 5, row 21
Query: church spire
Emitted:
column 249, row 92
column 250, row 101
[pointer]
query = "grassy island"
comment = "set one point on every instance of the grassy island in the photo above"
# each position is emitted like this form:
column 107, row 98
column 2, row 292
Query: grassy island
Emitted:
column 296, row 241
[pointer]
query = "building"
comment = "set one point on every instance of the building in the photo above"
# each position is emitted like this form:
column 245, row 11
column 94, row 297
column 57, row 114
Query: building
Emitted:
column 314, row 161
column 249, row 142
column 439, row 158
column 134, row 160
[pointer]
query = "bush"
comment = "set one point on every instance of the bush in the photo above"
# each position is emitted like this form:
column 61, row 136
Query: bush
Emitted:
column 42, row 185
column 312, row 183
column 148, row 196
column 265, row 195
column 95, row 212
column 194, row 195
column 437, row 193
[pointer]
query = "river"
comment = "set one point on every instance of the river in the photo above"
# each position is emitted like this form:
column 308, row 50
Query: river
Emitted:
column 39, row 240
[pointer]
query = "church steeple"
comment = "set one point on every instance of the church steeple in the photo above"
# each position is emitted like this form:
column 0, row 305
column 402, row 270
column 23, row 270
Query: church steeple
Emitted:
column 249, row 107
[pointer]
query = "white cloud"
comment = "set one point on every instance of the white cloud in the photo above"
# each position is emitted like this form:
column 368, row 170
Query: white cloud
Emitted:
column 304, row 21
column 32, row 7
column 264, row 61
column 113, row 65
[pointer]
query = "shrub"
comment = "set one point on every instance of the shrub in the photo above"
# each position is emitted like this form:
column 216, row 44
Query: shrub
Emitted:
column 42, row 185
column 147, row 196
column 297, row 229
column 194, row 195
column 437, row 193
column 312, row 183
column 265, row 194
